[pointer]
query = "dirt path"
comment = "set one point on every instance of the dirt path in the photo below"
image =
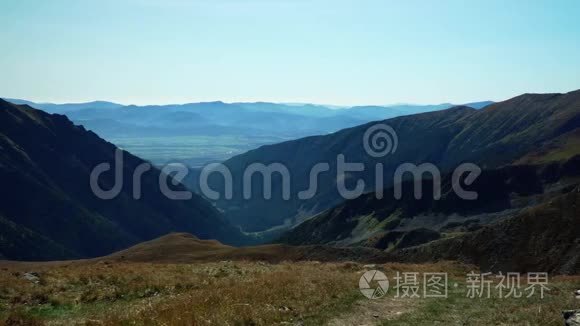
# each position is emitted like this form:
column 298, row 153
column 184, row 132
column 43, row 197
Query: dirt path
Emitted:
column 373, row 312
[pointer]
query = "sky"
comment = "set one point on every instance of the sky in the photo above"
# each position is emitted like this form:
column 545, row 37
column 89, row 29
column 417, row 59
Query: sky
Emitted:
column 329, row 52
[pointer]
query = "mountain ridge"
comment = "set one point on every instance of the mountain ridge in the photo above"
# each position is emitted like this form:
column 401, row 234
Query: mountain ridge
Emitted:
column 496, row 135
column 45, row 164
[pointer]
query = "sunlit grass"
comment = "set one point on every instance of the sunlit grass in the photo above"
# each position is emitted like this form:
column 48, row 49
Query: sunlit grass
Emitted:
column 251, row 293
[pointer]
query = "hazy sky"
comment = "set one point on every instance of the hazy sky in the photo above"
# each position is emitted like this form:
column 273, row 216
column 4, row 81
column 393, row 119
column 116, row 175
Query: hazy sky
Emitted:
column 333, row 52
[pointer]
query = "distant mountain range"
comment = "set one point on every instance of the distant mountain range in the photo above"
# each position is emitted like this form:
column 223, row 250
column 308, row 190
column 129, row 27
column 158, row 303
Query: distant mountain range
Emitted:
column 521, row 129
column 47, row 207
column 176, row 130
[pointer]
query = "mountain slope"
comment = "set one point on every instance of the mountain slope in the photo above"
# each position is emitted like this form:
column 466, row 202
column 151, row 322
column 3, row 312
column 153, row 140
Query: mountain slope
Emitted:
column 385, row 223
column 499, row 134
column 46, row 200
column 185, row 248
column 425, row 135
column 543, row 238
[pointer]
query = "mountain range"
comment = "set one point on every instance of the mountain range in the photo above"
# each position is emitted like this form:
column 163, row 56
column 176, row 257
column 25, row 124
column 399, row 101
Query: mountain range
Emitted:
column 199, row 133
column 527, row 148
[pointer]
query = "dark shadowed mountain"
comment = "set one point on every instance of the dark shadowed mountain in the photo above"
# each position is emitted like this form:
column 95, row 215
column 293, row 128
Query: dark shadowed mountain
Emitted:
column 387, row 223
column 47, row 207
column 499, row 134
column 540, row 238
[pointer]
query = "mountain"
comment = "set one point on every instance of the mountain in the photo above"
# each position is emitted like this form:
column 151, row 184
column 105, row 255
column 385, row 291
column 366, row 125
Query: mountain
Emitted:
column 388, row 223
column 306, row 109
column 497, row 135
column 185, row 248
column 180, row 132
column 67, row 107
column 371, row 113
column 257, row 118
column 47, row 207
column 541, row 238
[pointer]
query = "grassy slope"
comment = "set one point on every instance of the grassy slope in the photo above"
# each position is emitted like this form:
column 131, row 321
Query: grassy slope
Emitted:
column 253, row 293
column 194, row 281
column 181, row 294
column 184, row 248
column 458, row 309
column 557, row 150
column 543, row 237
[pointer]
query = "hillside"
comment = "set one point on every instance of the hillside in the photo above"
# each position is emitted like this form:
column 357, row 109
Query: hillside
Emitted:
column 541, row 238
column 497, row 135
column 185, row 248
column 48, row 210
column 390, row 224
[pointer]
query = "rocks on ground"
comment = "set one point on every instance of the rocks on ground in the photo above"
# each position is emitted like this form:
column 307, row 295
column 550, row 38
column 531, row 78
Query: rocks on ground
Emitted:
column 571, row 317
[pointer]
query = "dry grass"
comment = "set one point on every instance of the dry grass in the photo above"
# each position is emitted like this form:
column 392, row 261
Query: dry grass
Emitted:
column 242, row 293
column 226, row 293
column 458, row 309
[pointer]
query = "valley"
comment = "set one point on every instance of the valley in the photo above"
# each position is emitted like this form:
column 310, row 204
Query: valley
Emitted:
column 193, row 151
column 289, row 163
column 74, row 258
column 200, row 133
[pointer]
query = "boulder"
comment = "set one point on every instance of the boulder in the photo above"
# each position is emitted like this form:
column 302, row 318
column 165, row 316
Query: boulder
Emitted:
column 571, row 317
column 32, row 277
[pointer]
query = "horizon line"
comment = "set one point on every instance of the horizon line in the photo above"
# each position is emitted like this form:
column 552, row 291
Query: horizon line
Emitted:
column 289, row 103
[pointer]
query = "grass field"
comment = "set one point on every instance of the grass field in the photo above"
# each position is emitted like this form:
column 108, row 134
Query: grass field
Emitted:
column 253, row 293
column 458, row 309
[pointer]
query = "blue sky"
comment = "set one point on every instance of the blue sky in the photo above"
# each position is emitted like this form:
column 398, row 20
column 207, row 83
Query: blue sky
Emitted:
column 332, row 52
